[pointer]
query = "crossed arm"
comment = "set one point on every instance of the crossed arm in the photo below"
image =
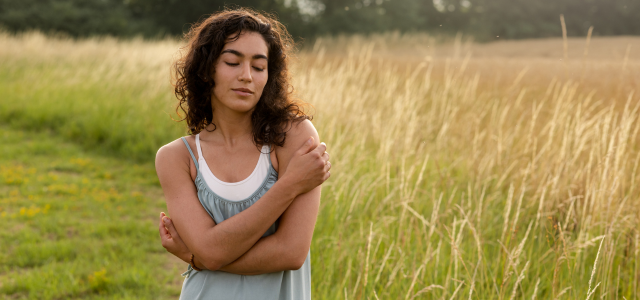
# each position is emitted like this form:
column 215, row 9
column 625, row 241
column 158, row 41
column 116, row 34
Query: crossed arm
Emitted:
column 236, row 245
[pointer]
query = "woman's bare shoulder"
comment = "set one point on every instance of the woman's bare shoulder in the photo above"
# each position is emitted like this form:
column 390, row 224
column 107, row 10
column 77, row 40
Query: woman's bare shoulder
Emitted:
column 173, row 155
column 298, row 133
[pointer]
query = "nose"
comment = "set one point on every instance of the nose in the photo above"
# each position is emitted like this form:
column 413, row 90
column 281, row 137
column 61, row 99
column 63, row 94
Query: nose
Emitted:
column 245, row 73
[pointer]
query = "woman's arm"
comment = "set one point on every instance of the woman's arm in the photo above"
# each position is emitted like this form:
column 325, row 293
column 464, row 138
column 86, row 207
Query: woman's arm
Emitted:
column 268, row 255
column 284, row 250
column 288, row 247
column 173, row 243
column 218, row 245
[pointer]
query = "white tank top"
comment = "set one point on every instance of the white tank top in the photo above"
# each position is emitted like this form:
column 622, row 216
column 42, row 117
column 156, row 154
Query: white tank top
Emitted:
column 235, row 191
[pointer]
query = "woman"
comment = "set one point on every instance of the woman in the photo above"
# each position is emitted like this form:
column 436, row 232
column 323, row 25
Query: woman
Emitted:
column 257, row 165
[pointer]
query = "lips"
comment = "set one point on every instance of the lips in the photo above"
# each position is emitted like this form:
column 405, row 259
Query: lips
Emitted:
column 243, row 90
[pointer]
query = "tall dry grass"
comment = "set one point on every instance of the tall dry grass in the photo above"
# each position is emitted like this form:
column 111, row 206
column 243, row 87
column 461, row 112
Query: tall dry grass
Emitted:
column 460, row 170
column 517, row 179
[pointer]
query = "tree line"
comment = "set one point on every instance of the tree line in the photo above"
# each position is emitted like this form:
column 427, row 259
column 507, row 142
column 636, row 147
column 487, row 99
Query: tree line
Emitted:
column 485, row 19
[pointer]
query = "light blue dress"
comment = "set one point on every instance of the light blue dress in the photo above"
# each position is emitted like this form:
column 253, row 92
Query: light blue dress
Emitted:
column 283, row 285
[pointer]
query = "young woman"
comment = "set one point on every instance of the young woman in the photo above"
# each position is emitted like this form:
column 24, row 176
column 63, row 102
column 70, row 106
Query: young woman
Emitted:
column 243, row 190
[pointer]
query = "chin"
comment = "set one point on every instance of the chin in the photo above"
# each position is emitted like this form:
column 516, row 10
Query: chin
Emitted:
column 239, row 105
column 243, row 107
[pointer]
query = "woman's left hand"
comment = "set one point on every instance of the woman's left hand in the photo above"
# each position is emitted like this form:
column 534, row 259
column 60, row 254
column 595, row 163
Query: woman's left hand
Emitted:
column 171, row 239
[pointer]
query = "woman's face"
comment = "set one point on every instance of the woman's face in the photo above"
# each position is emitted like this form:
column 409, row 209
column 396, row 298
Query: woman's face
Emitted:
column 240, row 74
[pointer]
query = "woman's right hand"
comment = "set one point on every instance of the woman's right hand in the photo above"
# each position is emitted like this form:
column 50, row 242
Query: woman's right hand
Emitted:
column 309, row 167
column 171, row 240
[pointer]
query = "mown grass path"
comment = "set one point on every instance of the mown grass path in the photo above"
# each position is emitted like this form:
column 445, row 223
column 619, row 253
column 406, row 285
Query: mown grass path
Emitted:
column 79, row 225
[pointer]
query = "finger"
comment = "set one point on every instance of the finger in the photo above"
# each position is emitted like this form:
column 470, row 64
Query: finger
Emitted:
column 327, row 167
column 321, row 148
column 162, row 215
column 164, row 234
column 172, row 229
column 326, row 156
column 306, row 147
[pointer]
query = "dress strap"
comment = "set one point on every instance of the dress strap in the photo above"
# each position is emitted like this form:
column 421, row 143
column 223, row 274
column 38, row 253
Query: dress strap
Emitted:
column 191, row 152
column 198, row 146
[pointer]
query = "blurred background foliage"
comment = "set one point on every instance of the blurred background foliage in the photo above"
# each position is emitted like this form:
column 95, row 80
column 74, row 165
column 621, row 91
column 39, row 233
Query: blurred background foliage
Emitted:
column 485, row 19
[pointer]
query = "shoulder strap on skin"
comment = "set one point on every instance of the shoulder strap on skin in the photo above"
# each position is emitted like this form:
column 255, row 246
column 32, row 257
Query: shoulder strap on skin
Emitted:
column 198, row 148
column 190, row 152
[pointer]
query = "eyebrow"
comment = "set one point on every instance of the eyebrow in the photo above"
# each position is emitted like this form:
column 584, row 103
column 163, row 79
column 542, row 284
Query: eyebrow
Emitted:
column 257, row 56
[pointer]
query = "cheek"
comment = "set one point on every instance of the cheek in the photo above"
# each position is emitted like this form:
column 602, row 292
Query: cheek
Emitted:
column 221, row 75
column 221, row 79
column 262, row 80
column 219, row 89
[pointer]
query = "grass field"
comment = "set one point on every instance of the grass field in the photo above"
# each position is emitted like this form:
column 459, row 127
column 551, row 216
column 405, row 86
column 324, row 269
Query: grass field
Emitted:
column 460, row 170
column 77, row 224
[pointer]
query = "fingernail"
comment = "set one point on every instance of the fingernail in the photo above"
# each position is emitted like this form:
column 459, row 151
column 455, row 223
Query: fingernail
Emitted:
column 166, row 220
column 309, row 140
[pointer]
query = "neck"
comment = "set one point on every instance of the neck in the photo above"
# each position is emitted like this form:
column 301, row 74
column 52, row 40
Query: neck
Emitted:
column 232, row 127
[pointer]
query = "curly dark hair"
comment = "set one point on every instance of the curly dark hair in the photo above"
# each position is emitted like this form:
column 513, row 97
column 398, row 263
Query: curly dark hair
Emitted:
column 193, row 74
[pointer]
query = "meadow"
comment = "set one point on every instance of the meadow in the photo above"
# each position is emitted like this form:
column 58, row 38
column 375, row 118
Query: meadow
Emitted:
column 461, row 170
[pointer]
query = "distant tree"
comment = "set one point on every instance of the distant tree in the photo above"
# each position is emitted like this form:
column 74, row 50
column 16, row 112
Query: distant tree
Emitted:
column 365, row 16
column 150, row 18
column 527, row 19
column 174, row 17
column 609, row 17
column 74, row 17
column 485, row 19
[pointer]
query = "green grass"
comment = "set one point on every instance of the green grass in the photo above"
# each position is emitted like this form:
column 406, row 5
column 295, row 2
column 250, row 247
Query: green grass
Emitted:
column 77, row 224
column 92, row 101
column 102, row 118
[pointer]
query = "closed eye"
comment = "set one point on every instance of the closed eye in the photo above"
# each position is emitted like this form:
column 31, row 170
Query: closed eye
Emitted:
column 233, row 65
